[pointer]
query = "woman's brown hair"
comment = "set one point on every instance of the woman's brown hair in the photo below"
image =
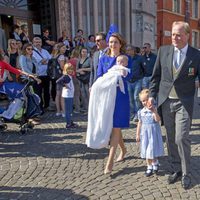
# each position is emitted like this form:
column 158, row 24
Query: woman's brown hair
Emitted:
column 25, row 47
column 121, row 41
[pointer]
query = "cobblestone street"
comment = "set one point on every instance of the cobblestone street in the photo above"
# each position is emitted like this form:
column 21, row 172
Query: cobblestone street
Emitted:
column 52, row 163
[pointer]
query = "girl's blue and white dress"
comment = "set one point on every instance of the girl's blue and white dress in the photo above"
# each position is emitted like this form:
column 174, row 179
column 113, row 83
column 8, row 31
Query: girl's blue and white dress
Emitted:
column 150, row 135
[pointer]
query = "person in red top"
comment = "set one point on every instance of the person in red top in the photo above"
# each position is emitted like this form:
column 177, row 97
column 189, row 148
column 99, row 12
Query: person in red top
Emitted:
column 5, row 66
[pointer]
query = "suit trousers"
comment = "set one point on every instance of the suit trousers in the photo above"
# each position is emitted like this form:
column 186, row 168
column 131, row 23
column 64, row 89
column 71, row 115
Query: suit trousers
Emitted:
column 177, row 123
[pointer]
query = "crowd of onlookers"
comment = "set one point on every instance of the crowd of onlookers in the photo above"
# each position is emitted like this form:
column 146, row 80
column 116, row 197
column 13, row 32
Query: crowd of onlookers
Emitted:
column 33, row 56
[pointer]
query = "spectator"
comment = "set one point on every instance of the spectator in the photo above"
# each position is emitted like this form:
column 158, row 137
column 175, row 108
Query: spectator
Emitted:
column 15, row 34
column 12, row 57
column 62, row 60
column 83, row 69
column 68, row 43
column 74, row 60
column 68, row 93
column 90, row 44
column 24, row 34
column 47, row 43
column 135, row 83
column 79, row 40
column 29, row 65
column 42, row 57
column 148, row 61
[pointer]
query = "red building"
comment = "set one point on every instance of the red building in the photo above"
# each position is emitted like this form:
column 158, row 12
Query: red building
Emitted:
column 169, row 11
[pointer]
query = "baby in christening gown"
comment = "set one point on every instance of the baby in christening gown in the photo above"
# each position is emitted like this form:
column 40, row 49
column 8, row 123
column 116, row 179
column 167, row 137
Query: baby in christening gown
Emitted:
column 102, row 104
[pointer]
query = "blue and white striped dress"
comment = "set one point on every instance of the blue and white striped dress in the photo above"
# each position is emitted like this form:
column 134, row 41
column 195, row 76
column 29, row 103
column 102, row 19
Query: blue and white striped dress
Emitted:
column 151, row 143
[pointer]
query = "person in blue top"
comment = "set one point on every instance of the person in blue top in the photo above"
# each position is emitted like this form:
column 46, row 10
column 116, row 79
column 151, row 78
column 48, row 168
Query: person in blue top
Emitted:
column 122, row 106
column 148, row 61
column 135, row 83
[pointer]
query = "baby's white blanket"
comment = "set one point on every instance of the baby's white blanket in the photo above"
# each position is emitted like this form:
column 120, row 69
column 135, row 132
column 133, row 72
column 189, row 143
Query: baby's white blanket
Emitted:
column 101, row 107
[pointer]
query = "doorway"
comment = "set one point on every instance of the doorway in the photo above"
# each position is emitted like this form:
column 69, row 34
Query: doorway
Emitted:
column 7, row 24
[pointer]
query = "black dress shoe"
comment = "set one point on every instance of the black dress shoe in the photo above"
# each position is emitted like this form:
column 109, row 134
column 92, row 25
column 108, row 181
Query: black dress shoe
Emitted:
column 174, row 177
column 186, row 181
column 149, row 172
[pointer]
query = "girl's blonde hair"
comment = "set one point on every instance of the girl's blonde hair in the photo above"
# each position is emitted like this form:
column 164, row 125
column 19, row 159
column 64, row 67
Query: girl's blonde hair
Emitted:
column 75, row 53
column 68, row 67
column 144, row 92
column 10, row 41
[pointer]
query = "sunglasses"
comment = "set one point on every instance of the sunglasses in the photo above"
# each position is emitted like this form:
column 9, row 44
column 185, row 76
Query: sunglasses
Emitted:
column 98, row 40
column 29, row 49
column 144, row 47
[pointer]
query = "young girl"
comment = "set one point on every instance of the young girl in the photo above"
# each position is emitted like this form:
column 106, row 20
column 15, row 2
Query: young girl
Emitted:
column 149, row 134
column 68, row 92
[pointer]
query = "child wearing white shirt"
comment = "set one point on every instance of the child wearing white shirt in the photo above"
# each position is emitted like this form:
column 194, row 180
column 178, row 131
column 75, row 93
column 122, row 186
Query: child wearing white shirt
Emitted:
column 68, row 93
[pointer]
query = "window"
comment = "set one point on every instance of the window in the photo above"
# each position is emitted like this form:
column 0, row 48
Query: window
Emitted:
column 176, row 6
column 195, row 39
column 19, row 4
column 195, row 8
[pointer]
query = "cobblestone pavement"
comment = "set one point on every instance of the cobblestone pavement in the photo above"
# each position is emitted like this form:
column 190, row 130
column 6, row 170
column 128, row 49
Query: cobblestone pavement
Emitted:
column 52, row 163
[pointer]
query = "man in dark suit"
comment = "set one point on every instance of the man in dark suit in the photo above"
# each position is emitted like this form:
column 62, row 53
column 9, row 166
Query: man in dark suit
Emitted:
column 173, row 85
column 100, row 39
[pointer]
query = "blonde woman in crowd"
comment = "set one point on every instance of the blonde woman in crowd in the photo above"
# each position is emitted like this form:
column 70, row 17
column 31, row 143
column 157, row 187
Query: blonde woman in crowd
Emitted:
column 12, row 57
column 60, row 56
column 74, row 60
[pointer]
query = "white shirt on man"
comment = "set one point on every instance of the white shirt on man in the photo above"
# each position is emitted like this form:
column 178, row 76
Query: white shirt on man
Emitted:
column 39, row 55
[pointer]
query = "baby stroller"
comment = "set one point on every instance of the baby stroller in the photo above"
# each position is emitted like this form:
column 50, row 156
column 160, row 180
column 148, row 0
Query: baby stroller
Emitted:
column 23, row 104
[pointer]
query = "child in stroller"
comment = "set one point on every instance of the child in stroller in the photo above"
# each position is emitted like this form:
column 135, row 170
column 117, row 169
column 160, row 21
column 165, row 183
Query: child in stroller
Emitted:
column 20, row 94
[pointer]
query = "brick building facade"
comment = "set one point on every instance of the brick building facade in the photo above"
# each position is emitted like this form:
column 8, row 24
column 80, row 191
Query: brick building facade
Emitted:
column 176, row 10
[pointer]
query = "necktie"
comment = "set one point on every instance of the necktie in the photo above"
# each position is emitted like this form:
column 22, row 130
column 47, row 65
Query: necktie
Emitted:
column 178, row 59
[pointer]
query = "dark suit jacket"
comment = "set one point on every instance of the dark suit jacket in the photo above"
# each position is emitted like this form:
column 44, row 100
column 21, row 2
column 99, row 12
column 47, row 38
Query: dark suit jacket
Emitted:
column 93, row 74
column 162, row 78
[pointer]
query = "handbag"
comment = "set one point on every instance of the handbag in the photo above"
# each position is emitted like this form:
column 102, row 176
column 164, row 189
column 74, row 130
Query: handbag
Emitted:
column 84, row 78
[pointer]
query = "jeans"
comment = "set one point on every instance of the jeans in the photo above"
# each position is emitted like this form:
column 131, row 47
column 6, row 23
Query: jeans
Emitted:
column 68, row 109
column 134, row 90
column 146, row 82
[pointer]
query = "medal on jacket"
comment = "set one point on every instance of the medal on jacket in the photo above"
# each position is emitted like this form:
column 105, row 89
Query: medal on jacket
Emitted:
column 191, row 71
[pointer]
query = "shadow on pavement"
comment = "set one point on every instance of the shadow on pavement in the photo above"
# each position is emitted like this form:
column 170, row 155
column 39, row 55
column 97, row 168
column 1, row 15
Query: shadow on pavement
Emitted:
column 32, row 193
column 48, row 144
